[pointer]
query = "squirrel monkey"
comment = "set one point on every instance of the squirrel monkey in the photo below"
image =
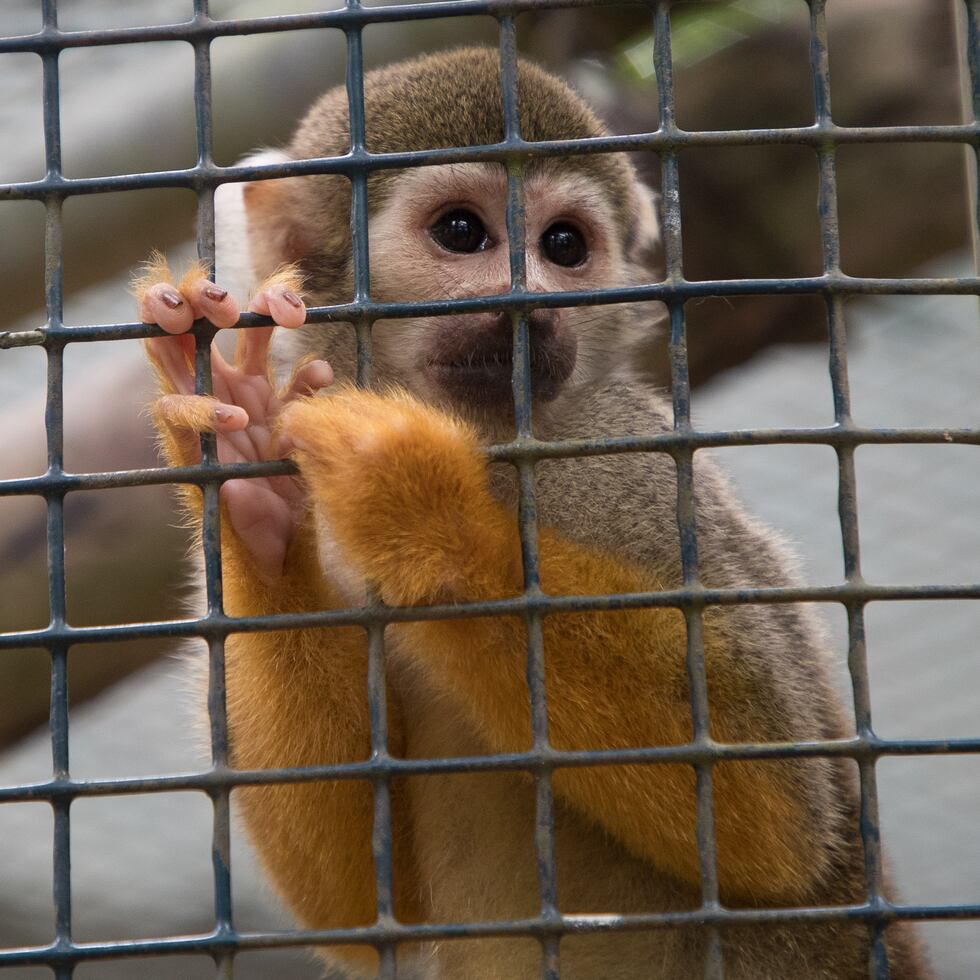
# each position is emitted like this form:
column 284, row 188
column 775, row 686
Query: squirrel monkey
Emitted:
column 394, row 493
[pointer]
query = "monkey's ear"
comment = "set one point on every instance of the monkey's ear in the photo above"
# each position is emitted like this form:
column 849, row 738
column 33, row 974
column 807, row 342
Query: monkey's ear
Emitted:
column 270, row 233
column 236, row 255
column 233, row 262
column 644, row 249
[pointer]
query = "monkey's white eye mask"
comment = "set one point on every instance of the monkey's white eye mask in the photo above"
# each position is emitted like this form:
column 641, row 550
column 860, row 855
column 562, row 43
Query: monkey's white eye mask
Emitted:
column 441, row 233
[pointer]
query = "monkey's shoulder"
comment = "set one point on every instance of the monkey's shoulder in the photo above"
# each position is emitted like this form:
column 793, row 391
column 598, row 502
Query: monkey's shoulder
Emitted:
column 625, row 499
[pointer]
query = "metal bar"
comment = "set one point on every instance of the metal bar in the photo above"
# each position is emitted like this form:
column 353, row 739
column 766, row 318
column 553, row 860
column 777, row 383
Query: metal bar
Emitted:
column 50, row 40
column 382, row 832
column 345, row 19
column 54, row 429
column 847, row 491
column 212, row 174
column 531, row 449
column 692, row 753
column 535, row 927
column 714, row 965
column 544, row 808
column 973, row 56
column 224, row 952
column 675, row 598
column 523, row 451
column 347, row 312
column 968, row 43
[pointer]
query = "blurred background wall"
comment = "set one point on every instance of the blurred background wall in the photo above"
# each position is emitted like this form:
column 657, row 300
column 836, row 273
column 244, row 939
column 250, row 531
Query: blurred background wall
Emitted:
column 141, row 864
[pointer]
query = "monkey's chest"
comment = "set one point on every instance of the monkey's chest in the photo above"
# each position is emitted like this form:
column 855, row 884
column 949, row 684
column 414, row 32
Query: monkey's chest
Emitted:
column 473, row 846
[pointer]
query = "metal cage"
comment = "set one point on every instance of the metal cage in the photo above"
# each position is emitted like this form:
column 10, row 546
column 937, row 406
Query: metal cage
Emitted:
column 218, row 780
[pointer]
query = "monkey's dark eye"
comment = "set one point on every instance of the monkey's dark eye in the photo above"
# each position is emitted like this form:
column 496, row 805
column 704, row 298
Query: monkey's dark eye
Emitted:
column 460, row 231
column 564, row 245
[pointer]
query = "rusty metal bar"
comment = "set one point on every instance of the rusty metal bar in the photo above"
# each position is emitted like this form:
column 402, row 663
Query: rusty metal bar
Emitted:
column 523, row 452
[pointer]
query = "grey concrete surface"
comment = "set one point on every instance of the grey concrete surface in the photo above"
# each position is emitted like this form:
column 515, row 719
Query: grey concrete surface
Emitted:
column 141, row 865
column 913, row 361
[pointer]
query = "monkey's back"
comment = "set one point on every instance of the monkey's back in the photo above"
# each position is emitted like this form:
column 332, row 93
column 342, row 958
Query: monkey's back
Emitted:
column 625, row 504
column 475, row 857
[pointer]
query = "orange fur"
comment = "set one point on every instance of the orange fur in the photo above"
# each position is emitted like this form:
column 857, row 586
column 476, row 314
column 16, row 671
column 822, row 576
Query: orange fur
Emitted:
column 298, row 698
column 277, row 684
column 195, row 271
column 405, row 490
column 287, row 274
column 156, row 269
column 422, row 527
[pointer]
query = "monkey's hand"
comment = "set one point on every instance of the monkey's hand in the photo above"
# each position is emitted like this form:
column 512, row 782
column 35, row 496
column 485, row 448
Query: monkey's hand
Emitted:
column 295, row 697
column 262, row 512
column 404, row 489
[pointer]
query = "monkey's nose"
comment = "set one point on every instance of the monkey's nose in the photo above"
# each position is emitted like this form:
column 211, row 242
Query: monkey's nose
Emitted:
column 541, row 322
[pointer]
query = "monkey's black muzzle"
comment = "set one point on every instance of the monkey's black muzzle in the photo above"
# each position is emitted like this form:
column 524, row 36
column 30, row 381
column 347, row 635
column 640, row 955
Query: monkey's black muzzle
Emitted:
column 473, row 358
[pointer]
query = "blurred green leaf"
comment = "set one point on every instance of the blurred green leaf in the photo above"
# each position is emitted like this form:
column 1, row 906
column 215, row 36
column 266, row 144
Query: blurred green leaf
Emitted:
column 697, row 34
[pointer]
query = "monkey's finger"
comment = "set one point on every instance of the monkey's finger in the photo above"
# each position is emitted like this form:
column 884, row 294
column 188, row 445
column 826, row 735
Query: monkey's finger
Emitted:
column 280, row 300
column 308, row 379
column 224, row 376
column 209, row 300
column 200, row 413
column 163, row 304
column 173, row 359
column 252, row 350
column 219, row 366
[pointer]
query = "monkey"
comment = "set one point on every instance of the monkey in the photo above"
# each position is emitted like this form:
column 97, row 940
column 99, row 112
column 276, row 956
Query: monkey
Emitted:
column 395, row 496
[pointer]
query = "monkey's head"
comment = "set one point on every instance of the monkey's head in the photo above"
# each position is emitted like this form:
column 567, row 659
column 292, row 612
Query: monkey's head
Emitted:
column 440, row 232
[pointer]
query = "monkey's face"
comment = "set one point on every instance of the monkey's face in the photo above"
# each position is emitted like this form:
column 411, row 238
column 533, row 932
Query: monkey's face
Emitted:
column 442, row 233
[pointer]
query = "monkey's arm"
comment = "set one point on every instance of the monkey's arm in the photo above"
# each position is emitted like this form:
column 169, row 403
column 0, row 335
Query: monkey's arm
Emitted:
column 405, row 490
column 297, row 697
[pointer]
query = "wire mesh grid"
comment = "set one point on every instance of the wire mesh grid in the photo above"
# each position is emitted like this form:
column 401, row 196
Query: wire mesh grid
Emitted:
column 691, row 598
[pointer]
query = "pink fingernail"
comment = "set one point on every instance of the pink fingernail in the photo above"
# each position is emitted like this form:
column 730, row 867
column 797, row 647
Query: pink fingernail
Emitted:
column 215, row 293
column 292, row 299
column 221, row 415
column 171, row 298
